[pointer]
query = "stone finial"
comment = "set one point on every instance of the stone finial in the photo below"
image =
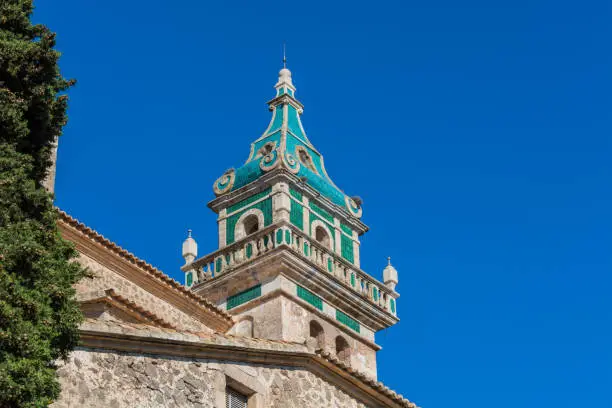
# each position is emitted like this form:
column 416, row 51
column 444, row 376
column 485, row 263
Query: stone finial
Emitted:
column 284, row 78
column 190, row 248
column 390, row 275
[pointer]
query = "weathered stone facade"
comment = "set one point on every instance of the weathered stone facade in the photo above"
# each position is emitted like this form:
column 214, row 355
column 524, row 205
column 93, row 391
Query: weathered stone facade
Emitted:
column 98, row 379
column 113, row 380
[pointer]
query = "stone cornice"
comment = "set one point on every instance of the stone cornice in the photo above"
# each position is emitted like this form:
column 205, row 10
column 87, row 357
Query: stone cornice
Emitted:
column 324, row 284
column 128, row 339
column 286, row 99
column 93, row 245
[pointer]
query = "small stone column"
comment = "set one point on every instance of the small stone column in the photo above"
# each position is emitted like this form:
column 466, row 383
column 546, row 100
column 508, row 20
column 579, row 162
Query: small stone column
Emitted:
column 281, row 202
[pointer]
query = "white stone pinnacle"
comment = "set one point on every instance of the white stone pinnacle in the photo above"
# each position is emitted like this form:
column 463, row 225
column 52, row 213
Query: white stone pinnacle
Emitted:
column 390, row 275
column 190, row 248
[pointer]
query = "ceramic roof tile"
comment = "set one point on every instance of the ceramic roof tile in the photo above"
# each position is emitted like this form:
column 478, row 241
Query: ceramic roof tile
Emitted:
column 154, row 272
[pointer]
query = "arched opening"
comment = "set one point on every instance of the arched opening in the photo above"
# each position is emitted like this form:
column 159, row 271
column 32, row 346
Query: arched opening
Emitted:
column 317, row 334
column 322, row 236
column 251, row 224
column 343, row 351
column 248, row 223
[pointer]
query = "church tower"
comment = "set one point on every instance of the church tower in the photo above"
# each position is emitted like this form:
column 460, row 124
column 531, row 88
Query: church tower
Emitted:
column 288, row 267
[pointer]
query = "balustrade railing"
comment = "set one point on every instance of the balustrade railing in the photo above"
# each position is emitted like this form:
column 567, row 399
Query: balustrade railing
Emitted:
column 328, row 262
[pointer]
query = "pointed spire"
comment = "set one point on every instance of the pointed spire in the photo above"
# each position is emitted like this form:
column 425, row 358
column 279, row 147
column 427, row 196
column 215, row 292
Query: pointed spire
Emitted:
column 284, row 143
column 284, row 86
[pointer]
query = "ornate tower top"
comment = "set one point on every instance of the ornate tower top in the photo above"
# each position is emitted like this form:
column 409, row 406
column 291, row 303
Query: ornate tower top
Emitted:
column 288, row 263
column 284, row 144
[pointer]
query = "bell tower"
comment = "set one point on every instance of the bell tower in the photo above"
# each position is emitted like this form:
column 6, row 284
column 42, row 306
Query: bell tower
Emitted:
column 288, row 262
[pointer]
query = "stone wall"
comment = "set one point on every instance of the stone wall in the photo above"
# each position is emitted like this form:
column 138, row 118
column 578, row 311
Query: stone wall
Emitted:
column 281, row 318
column 104, row 278
column 267, row 319
column 95, row 378
column 296, row 321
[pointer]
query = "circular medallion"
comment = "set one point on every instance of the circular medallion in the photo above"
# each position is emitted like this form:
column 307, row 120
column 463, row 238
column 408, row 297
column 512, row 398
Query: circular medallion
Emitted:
column 225, row 183
column 352, row 206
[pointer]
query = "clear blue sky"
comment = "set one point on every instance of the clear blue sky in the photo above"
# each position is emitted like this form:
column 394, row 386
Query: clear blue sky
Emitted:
column 477, row 133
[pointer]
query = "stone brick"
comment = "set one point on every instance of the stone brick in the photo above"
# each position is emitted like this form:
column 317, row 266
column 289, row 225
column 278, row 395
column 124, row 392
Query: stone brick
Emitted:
column 193, row 383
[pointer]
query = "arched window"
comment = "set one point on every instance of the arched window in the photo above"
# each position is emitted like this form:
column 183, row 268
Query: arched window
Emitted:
column 317, row 333
column 343, row 351
column 251, row 224
column 322, row 236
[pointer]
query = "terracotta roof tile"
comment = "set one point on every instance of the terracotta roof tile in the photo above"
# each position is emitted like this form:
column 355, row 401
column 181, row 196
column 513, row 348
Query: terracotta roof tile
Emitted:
column 142, row 264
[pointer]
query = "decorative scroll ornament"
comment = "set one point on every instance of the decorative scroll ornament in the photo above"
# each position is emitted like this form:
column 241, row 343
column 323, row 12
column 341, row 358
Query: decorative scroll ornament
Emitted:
column 266, row 149
column 269, row 161
column 225, row 183
column 305, row 158
column 291, row 163
column 352, row 206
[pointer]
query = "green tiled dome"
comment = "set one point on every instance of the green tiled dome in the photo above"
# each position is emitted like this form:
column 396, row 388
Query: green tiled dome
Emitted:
column 284, row 143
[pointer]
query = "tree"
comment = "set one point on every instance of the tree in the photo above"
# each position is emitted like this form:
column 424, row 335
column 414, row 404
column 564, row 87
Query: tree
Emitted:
column 39, row 315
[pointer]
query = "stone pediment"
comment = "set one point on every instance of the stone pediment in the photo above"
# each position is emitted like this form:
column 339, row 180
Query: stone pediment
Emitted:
column 109, row 305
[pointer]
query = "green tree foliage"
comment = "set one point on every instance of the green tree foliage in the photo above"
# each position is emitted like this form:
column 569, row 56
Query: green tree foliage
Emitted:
column 39, row 316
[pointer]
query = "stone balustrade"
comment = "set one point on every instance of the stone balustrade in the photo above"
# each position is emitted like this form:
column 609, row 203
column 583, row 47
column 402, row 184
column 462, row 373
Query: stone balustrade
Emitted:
column 325, row 260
